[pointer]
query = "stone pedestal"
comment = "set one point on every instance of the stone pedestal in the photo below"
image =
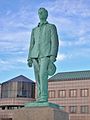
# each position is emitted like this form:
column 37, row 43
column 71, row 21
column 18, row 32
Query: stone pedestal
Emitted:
column 40, row 113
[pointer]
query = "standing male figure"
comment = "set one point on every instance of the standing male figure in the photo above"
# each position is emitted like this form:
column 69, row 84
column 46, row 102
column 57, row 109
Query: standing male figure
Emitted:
column 42, row 53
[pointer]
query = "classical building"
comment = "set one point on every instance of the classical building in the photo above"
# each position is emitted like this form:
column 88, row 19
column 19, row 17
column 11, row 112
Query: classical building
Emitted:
column 71, row 90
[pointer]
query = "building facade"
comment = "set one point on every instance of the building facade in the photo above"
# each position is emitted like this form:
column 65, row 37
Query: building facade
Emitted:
column 14, row 94
column 71, row 90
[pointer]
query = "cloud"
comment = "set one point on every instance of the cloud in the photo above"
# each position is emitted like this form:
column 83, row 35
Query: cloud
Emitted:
column 74, row 7
column 20, row 23
column 80, row 41
column 5, row 65
column 61, row 57
column 14, row 41
column 3, row 62
column 13, row 63
column 20, row 20
column 82, row 52
column 14, row 38
column 70, row 17
column 22, row 60
column 15, row 29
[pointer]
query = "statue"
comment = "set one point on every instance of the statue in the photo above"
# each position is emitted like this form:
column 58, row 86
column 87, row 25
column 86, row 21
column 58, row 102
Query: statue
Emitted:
column 42, row 53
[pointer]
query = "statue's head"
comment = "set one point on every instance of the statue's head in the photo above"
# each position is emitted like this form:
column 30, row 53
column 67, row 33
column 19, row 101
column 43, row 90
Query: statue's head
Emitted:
column 43, row 13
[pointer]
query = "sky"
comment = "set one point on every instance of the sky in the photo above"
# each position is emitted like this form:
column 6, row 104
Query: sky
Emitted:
column 19, row 17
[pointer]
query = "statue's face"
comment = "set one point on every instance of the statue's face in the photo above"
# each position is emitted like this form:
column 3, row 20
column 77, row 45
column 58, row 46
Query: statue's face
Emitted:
column 42, row 14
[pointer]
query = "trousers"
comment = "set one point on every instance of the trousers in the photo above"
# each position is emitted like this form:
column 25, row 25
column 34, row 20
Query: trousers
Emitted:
column 41, row 76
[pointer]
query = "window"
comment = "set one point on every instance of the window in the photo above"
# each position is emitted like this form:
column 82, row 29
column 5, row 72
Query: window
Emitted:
column 73, row 109
column 10, row 108
column 73, row 93
column 84, row 109
column 25, row 89
column 62, row 93
column 51, row 94
column 84, row 92
column 3, row 108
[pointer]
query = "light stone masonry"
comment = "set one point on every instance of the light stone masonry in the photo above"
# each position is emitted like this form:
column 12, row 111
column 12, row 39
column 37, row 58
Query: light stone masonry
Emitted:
column 40, row 113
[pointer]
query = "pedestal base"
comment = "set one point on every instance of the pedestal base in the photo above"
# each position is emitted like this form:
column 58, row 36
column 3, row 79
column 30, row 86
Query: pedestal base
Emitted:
column 40, row 113
column 42, row 104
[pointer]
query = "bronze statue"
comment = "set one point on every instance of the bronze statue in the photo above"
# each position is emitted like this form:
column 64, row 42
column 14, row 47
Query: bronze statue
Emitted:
column 42, row 53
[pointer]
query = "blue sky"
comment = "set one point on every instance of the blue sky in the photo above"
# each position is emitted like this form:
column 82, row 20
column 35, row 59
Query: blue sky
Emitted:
column 18, row 17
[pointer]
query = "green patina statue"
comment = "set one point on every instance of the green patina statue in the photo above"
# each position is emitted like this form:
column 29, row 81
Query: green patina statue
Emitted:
column 42, row 53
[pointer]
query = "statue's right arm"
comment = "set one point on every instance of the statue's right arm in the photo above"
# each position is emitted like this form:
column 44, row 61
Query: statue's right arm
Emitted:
column 30, row 49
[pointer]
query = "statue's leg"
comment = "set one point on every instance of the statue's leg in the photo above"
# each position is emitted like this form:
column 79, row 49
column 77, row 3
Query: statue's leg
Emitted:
column 44, row 78
column 36, row 72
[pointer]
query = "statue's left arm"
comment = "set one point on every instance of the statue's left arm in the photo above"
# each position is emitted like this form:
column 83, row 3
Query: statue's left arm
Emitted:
column 54, row 43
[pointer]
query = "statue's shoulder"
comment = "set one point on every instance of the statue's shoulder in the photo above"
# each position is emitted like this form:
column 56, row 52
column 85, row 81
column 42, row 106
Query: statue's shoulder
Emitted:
column 51, row 25
column 34, row 28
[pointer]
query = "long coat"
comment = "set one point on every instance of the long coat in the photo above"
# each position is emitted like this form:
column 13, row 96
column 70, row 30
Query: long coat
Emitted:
column 44, row 41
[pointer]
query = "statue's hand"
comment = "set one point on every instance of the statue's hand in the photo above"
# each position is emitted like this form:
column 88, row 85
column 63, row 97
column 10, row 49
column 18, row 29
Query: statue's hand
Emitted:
column 53, row 58
column 30, row 62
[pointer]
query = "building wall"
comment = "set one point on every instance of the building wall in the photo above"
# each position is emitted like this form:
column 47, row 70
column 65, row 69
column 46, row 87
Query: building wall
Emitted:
column 6, row 115
column 17, row 89
column 14, row 94
column 73, row 96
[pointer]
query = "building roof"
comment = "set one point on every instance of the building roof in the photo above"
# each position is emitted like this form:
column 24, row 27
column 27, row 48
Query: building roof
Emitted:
column 20, row 78
column 76, row 75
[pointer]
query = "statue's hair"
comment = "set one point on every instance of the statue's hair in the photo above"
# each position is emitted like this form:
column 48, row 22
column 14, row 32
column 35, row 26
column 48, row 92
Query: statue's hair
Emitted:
column 44, row 10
